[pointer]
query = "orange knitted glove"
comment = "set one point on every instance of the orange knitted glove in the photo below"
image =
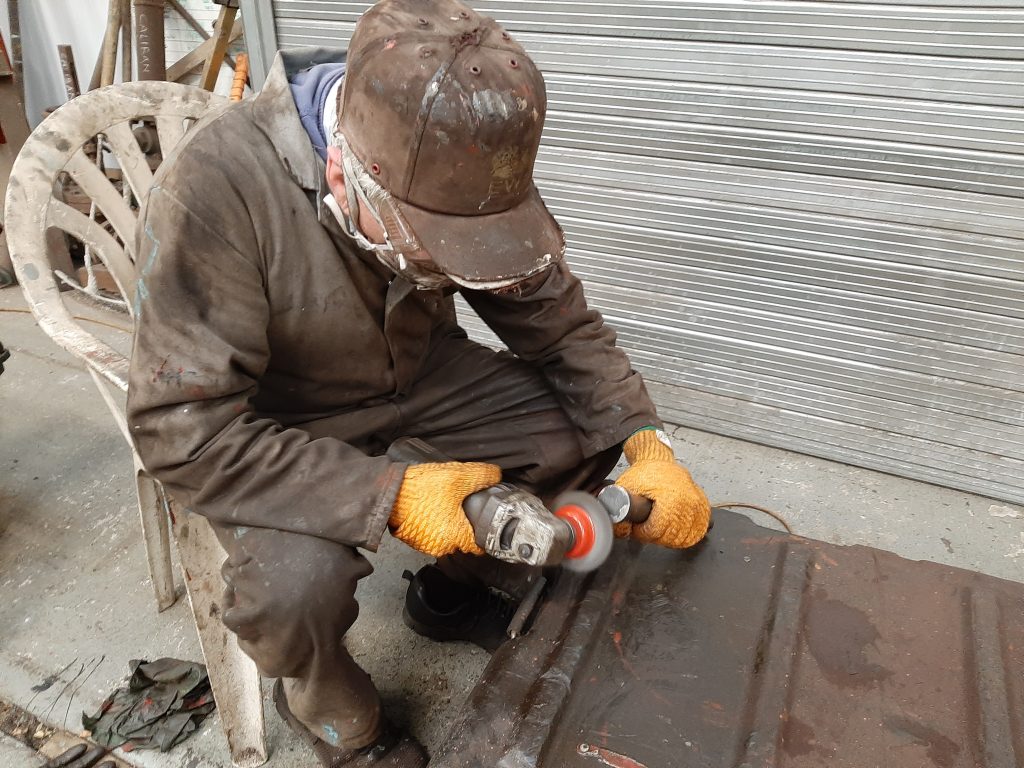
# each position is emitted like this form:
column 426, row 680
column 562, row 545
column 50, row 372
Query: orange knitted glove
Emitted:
column 428, row 512
column 681, row 513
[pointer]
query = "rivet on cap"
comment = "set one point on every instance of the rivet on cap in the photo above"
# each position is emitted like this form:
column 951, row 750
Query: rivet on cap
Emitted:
column 464, row 14
column 475, row 69
column 375, row 168
column 426, row 53
column 514, row 63
column 423, row 22
column 506, row 36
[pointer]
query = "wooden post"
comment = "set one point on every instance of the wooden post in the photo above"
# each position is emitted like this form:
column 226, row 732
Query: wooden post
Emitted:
column 109, row 57
column 188, row 17
column 221, row 37
column 198, row 56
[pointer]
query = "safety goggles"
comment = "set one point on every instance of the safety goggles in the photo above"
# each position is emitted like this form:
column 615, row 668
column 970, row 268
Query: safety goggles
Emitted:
column 405, row 253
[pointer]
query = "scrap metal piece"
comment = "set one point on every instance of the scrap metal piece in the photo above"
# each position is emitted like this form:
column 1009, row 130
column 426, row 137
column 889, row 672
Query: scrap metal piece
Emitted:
column 525, row 609
column 756, row 648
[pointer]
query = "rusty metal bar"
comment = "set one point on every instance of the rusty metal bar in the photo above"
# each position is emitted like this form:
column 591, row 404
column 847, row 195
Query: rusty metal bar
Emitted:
column 68, row 71
column 16, row 61
column 149, row 39
column 525, row 609
column 126, row 41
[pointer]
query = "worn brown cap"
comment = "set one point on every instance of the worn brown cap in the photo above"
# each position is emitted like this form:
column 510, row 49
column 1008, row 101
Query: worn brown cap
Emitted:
column 445, row 110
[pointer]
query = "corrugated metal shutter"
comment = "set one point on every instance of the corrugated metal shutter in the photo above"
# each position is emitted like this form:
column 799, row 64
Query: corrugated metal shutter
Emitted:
column 804, row 218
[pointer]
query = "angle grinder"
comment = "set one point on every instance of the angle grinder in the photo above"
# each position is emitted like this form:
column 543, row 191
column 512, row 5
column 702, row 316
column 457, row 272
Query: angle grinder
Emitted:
column 513, row 525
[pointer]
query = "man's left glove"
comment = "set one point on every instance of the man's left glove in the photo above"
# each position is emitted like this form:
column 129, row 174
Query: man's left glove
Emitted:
column 681, row 513
column 428, row 512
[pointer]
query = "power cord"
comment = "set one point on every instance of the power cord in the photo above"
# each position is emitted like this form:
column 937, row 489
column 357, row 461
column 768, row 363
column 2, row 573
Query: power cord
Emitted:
column 744, row 505
column 74, row 317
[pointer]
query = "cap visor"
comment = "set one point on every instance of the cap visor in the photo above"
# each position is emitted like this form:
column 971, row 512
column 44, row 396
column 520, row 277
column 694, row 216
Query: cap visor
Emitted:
column 495, row 249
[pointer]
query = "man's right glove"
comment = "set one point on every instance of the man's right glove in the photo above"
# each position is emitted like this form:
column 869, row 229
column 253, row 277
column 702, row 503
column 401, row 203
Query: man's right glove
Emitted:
column 428, row 512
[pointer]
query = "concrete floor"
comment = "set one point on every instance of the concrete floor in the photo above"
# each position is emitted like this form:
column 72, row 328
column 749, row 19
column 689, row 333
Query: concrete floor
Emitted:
column 76, row 604
column 14, row 753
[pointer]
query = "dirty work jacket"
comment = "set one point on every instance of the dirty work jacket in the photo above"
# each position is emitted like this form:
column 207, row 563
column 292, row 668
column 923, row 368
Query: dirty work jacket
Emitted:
column 257, row 315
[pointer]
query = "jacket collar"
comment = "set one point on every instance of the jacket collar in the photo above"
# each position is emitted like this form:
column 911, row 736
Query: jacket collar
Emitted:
column 275, row 113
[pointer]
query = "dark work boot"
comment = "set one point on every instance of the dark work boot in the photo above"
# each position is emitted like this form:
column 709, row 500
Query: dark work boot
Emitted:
column 441, row 608
column 392, row 749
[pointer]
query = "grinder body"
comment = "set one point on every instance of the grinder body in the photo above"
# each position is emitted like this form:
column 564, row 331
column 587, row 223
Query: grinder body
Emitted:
column 513, row 525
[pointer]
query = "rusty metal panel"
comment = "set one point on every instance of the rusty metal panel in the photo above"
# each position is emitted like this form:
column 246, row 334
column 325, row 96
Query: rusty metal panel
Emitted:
column 757, row 649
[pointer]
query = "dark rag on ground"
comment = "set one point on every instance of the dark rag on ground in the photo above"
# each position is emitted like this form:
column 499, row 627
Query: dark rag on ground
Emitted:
column 164, row 704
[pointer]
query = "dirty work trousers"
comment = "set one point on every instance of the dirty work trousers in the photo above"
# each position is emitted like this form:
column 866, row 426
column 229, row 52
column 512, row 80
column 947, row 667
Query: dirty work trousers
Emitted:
column 289, row 598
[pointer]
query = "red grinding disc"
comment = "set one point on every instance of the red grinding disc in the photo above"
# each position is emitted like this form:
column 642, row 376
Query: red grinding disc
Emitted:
column 582, row 530
column 591, row 529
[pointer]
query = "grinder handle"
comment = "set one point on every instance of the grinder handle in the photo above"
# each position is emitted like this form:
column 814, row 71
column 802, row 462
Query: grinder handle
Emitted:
column 624, row 506
column 412, row 450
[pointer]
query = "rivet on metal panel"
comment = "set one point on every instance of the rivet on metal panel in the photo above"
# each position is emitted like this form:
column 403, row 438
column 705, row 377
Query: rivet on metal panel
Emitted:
column 609, row 758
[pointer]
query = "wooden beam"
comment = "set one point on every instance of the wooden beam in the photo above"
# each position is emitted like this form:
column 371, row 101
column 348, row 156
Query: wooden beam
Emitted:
column 221, row 34
column 109, row 58
column 108, row 50
column 182, row 11
column 198, row 56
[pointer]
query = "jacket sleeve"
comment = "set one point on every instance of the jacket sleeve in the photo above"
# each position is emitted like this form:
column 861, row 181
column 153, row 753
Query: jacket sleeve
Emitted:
column 200, row 349
column 545, row 321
